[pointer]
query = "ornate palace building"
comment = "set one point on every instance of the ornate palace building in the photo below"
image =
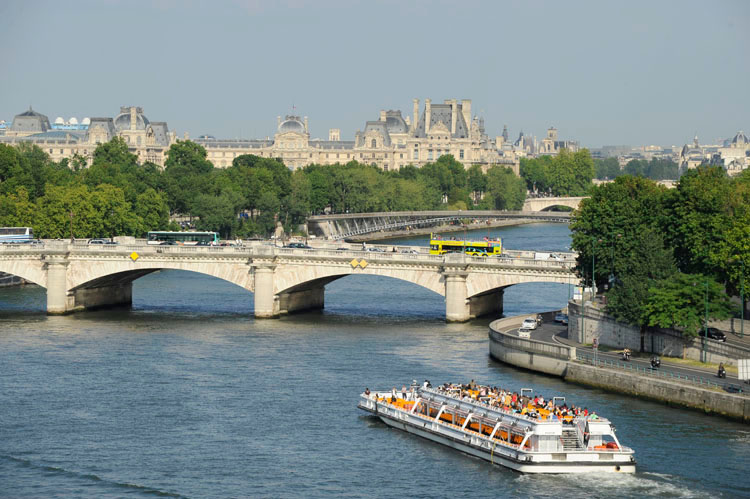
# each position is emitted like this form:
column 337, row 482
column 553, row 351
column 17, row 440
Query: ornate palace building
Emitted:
column 390, row 142
column 149, row 140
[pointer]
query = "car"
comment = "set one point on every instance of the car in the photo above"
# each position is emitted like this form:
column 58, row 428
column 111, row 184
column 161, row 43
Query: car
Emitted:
column 298, row 245
column 565, row 319
column 410, row 251
column 559, row 317
column 376, row 250
column 203, row 243
column 100, row 240
column 713, row 334
column 524, row 332
column 529, row 323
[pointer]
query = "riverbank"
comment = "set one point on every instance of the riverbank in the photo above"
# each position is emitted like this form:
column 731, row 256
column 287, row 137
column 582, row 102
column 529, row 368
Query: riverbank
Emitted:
column 561, row 360
column 442, row 229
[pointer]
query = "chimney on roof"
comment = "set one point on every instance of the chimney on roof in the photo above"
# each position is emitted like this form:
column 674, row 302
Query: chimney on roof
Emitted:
column 382, row 115
column 454, row 116
column 416, row 115
column 466, row 111
column 133, row 118
column 307, row 130
column 427, row 115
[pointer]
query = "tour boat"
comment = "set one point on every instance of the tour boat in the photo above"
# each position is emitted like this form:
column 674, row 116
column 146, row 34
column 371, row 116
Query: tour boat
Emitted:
column 474, row 421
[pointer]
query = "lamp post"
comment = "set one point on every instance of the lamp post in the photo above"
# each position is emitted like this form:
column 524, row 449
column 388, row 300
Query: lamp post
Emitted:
column 742, row 298
column 71, row 214
column 612, row 275
column 705, row 321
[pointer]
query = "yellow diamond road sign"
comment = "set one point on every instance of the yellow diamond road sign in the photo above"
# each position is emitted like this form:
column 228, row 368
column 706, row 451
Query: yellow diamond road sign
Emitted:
column 134, row 256
column 363, row 263
column 354, row 263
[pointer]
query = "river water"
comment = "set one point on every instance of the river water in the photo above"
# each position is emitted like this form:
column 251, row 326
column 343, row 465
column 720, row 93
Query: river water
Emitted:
column 187, row 395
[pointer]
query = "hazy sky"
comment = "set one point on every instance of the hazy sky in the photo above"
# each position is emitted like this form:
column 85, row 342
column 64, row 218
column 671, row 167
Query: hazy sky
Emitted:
column 602, row 72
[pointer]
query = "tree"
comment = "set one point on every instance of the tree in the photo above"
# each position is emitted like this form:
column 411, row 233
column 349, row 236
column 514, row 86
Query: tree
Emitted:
column 608, row 168
column 697, row 217
column 477, row 183
column 152, row 210
column 505, row 191
column 185, row 173
column 681, row 301
column 16, row 210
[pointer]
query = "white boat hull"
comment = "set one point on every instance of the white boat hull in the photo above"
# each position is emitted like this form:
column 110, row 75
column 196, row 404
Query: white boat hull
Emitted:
column 510, row 457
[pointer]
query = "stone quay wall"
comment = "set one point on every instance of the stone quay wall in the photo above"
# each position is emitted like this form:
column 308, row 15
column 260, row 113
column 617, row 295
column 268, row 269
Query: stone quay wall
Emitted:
column 665, row 342
column 548, row 358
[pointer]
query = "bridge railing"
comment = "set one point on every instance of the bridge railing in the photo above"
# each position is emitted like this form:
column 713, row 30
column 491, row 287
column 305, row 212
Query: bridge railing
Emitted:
column 516, row 259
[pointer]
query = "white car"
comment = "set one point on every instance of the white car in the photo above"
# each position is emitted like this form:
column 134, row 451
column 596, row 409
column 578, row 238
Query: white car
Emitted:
column 529, row 323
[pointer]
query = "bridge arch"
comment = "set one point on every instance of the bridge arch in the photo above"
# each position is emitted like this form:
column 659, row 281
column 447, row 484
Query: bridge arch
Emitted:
column 544, row 204
column 104, row 273
column 29, row 270
column 288, row 279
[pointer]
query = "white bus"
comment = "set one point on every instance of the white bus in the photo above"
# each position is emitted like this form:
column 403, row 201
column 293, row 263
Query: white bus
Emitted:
column 12, row 235
column 186, row 238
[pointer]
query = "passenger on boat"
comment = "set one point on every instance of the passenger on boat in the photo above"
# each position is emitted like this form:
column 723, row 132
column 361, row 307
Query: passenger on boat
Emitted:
column 367, row 392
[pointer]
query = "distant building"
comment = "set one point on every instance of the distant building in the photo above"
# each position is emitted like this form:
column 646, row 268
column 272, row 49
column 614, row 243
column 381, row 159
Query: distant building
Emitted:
column 390, row 142
column 733, row 154
column 149, row 141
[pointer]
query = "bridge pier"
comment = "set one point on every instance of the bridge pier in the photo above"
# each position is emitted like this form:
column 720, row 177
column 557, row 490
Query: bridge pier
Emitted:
column 58, row 301
column 103, row 296
column 300, row 300
column 266, row 302
column 456, row 302
column 490, row 303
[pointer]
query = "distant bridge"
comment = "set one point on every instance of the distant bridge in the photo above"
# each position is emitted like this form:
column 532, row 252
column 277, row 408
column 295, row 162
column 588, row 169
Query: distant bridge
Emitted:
column 348, row 225
column 283, row 280
column 541, row 204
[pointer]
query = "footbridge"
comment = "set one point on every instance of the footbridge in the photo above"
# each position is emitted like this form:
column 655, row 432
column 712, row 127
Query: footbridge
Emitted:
column 282, row 280
column 348, row 225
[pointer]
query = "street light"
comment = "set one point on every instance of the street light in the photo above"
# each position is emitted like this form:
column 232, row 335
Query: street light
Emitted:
column 705, row 321
column 612, row 276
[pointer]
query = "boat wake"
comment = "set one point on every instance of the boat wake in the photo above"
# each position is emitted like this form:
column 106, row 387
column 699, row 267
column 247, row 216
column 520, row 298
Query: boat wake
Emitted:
column 84, row 477
column 639, row 484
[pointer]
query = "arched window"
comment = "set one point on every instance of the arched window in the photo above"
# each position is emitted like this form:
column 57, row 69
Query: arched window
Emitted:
column 374, row 143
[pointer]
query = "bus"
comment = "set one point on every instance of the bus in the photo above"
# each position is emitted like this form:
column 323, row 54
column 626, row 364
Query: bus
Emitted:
column 485, row 247
column 186, row 238
column 13, row 235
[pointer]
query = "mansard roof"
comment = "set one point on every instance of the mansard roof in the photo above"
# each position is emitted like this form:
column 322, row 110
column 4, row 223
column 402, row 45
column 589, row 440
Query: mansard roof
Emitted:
column 442, row 113
column 30, row 121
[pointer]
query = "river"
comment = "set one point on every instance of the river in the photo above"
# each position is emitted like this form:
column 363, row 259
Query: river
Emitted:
column 187, row 395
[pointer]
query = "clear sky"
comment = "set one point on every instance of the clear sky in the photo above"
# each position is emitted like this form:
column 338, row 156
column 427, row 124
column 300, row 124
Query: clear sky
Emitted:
column 602, row 72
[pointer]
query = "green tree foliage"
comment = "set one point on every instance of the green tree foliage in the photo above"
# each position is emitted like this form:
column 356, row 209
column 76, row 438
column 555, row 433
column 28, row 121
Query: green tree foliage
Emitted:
column 681, row 301
column 699, row 216
column 607, row 169
column 505, row 191
column 185, row 170
column 655, row 169
column 567, row 174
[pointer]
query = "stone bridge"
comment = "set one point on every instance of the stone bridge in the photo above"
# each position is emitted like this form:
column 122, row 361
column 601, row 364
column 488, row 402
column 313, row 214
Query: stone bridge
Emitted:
column 283, row 280
column 542, row 204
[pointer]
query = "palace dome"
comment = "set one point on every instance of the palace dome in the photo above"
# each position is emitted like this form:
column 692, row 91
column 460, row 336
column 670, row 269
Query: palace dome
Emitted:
column 122, row 121
column 291, row 124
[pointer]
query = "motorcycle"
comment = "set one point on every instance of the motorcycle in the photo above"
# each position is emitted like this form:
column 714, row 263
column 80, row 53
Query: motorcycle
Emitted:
column 655, row 363
column 722, row 372
column 626, row 355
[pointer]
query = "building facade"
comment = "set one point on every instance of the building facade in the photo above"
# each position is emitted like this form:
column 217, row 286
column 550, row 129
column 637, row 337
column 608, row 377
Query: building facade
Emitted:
column 148, row 140
column 390, row 142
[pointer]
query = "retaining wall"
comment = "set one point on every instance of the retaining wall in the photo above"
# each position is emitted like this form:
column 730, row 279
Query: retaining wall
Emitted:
column 559, row 360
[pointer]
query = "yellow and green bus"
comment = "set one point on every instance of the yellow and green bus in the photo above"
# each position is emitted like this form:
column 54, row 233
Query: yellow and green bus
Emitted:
column 485, row 247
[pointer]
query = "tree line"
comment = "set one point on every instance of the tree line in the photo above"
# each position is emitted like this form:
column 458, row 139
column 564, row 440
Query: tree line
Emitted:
column 116, row 195
column 666, row 255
